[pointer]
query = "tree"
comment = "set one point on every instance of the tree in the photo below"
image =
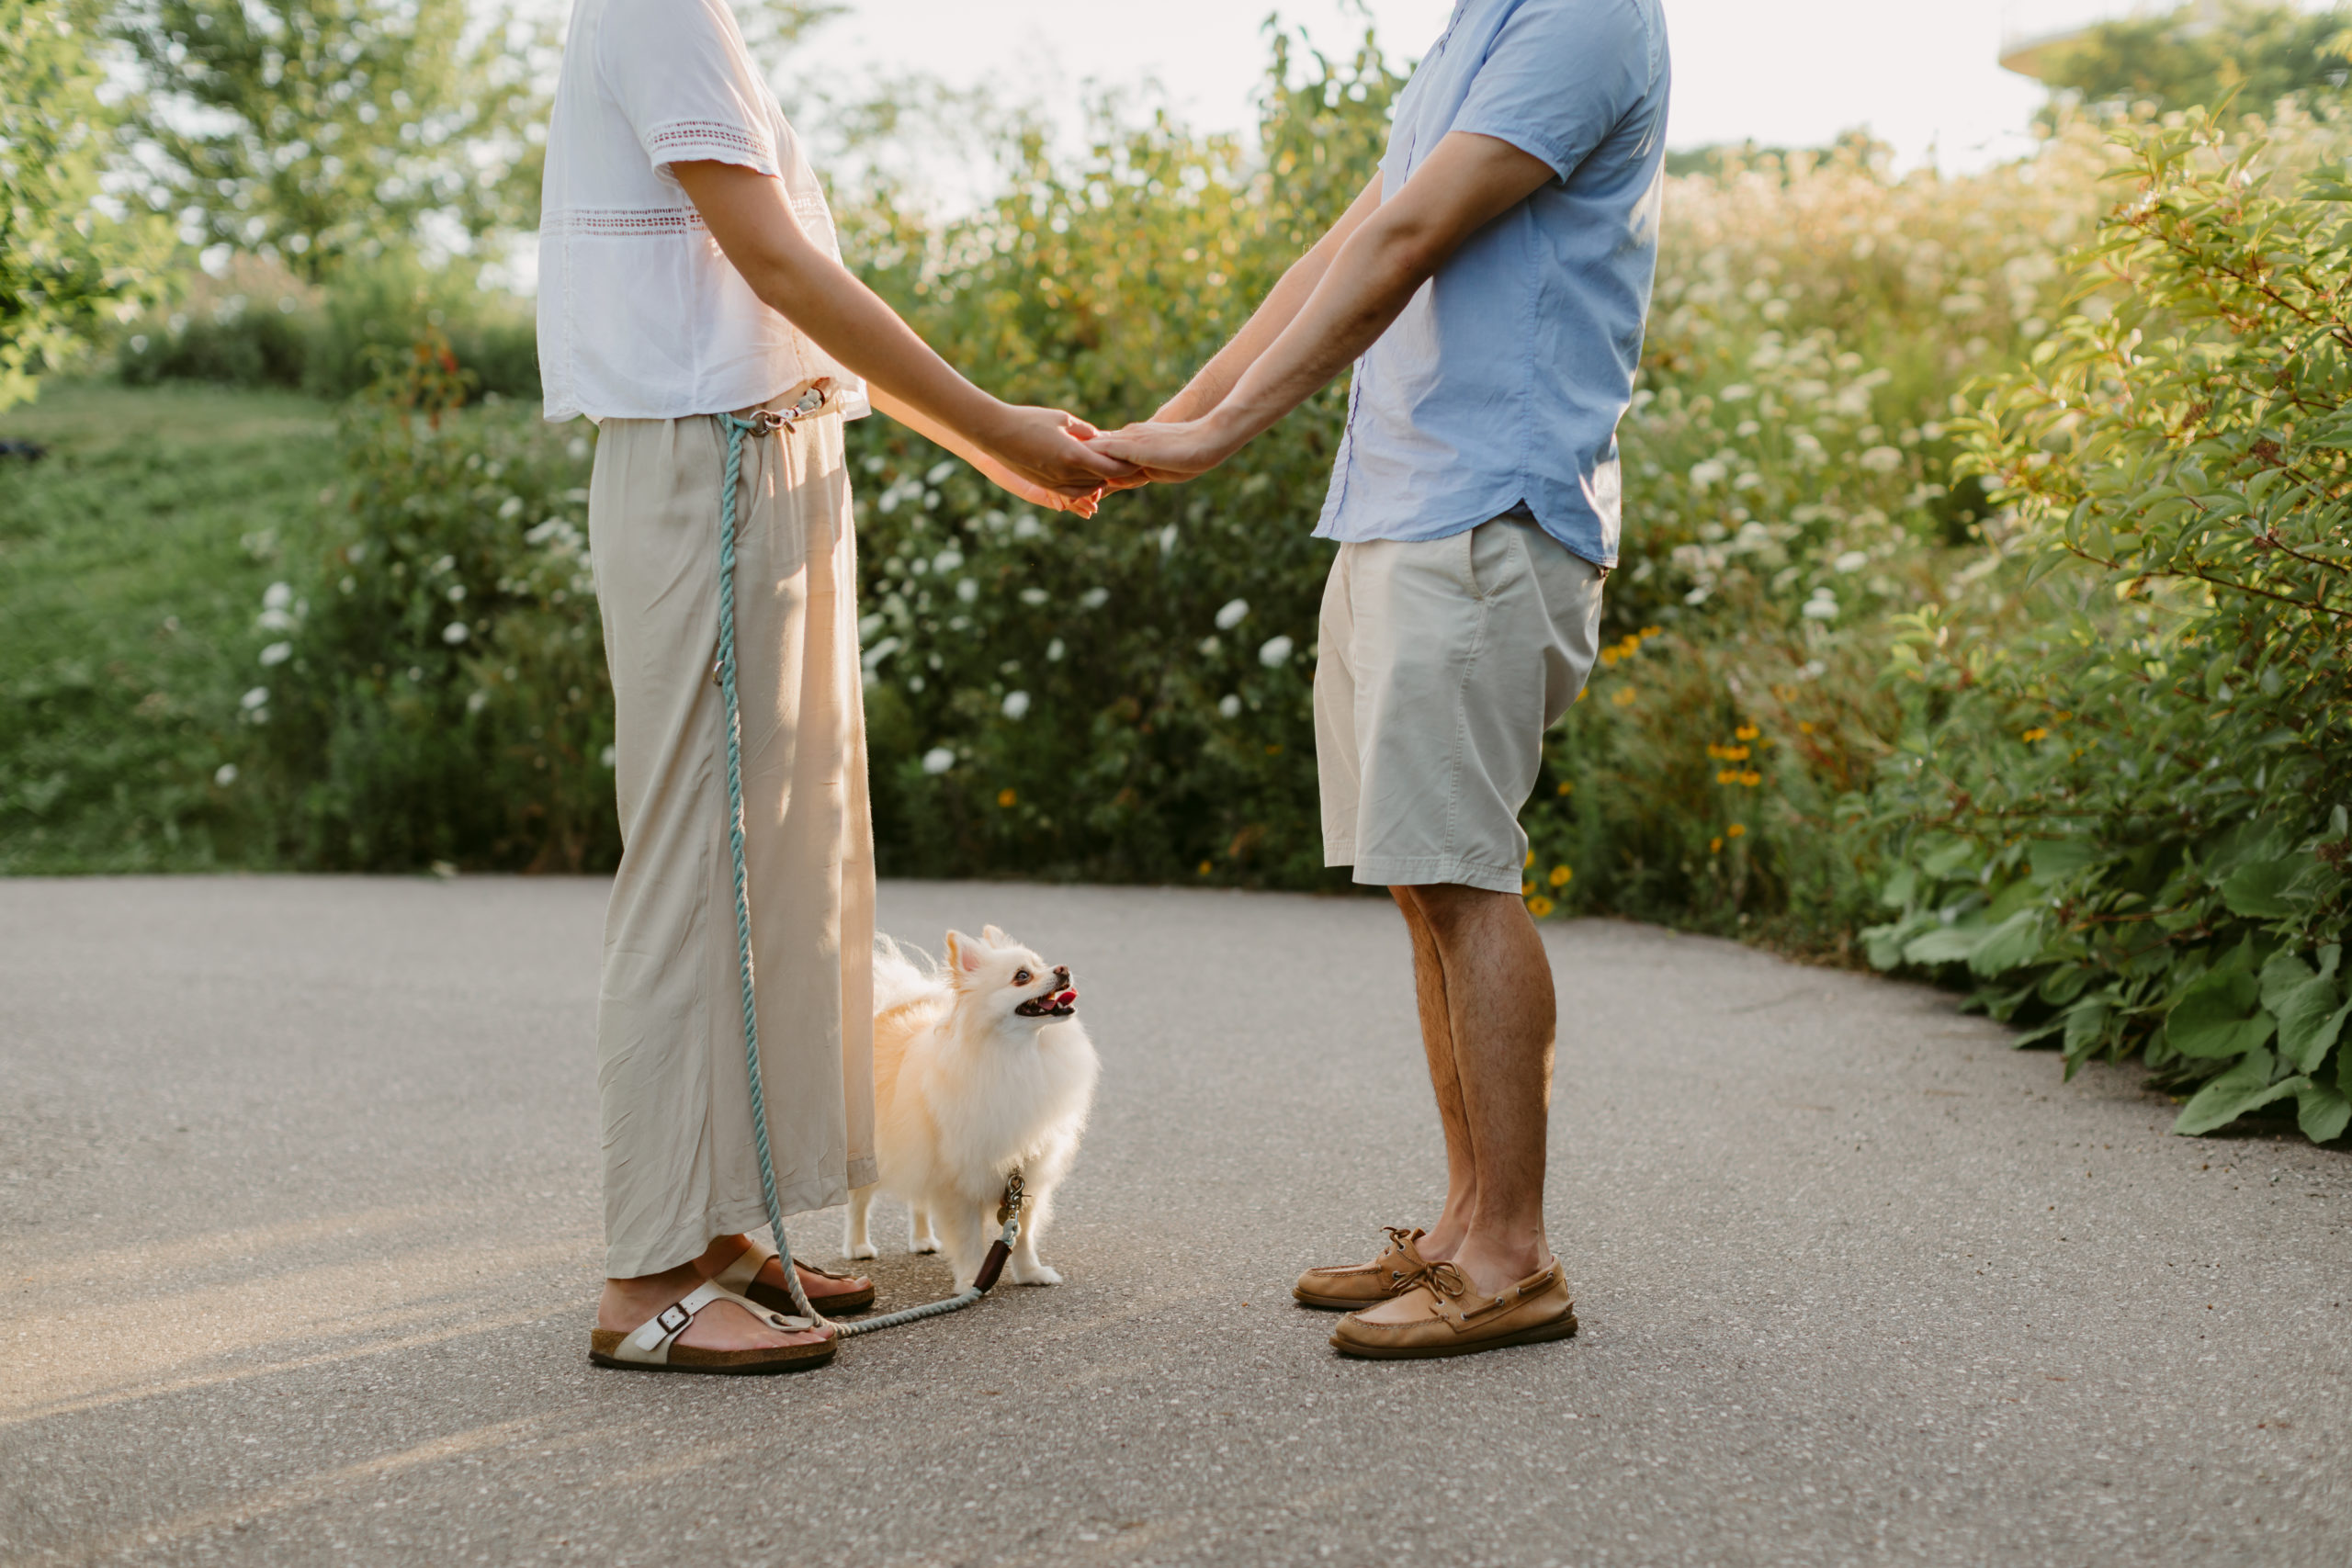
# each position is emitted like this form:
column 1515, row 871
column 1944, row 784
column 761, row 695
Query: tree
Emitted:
column 68, row 258
column 319, row 131
column 2257, row 50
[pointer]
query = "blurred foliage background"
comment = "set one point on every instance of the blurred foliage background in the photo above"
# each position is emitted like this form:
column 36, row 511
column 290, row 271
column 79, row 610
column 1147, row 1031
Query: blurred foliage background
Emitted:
column 1981, row 613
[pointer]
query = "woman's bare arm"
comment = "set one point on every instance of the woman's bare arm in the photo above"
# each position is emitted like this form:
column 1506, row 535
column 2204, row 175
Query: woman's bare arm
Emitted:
column 752, row 221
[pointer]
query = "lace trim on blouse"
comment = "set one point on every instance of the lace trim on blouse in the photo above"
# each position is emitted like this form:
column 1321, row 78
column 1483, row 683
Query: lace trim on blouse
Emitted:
column 623, row 220
column 684, row 140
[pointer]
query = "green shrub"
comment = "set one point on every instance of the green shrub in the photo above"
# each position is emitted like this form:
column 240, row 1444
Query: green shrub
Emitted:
column 2122, row 806
column 432, row 687
column 335, row 342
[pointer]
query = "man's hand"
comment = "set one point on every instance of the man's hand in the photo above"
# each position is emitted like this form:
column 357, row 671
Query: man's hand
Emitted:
column 1169, row 452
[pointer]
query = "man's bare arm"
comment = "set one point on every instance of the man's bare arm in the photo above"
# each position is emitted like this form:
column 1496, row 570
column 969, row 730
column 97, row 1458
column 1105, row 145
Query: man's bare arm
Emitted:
column 1466, row 182
column 752, row 223
column 1281, row 307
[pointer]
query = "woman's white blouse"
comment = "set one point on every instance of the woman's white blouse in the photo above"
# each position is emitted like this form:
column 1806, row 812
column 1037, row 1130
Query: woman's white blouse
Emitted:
column 640, row 315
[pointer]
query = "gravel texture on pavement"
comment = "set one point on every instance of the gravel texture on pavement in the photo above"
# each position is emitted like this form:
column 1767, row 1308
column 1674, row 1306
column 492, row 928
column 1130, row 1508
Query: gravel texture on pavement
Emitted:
column 299, row 1231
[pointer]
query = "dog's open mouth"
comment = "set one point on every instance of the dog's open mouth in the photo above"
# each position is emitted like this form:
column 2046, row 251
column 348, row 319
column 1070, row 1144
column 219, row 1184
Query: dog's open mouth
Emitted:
column 1059, row 1003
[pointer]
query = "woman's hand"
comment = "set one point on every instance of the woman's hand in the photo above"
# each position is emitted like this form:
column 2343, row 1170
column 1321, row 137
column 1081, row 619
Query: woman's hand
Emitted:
column 1035, row 494
column 1047, row 448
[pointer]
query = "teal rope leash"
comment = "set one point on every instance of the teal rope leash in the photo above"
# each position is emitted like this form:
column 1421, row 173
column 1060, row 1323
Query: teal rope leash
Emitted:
column 764, row 422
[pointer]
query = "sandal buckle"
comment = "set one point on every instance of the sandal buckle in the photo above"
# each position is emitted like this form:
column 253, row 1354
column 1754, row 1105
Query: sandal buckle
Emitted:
column 673, row 1318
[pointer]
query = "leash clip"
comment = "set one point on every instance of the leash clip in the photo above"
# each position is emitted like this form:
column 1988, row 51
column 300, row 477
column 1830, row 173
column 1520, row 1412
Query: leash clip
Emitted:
column 1015, row 1199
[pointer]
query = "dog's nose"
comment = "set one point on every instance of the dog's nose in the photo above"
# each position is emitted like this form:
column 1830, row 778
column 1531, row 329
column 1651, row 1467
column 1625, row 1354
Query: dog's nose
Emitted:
column 1061, row 972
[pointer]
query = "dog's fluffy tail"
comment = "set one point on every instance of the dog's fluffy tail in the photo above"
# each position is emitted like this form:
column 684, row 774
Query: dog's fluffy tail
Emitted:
column 902, row 977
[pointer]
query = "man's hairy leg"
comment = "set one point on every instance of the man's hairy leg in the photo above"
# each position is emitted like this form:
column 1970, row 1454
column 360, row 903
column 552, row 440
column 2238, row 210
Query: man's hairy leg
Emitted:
column 1444, row 1237
column 1500, row 1016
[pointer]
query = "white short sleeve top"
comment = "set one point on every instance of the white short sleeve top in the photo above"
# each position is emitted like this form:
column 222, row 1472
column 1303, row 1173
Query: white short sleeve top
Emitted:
column 641, row 316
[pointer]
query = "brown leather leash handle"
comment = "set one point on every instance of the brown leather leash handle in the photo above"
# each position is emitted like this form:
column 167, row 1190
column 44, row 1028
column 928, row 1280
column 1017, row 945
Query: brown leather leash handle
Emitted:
column 991, row 1265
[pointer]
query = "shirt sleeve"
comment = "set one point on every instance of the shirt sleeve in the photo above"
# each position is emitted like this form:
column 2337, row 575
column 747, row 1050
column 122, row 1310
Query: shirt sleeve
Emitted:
column 1558, row 78
column 680, row 72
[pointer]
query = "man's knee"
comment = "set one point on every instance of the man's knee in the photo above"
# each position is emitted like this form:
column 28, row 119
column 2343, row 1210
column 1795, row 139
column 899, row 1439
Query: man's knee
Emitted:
column 1445, row 907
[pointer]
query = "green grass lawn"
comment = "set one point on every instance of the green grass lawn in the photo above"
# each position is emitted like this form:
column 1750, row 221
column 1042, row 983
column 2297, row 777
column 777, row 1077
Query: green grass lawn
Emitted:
column 132, row 563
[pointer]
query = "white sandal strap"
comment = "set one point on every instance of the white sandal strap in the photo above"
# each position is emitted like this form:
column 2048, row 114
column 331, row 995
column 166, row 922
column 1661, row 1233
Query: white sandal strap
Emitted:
column 650, row 1344
column 738, row 1275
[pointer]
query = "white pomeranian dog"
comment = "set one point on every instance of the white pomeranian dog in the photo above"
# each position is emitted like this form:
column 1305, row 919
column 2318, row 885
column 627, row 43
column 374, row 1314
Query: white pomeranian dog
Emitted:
column 980, row 1069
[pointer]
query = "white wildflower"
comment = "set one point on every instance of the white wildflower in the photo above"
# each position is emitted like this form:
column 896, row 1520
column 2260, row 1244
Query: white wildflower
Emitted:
column 1093, row 598
column 274, row 620
column 1034, row 597
column 1229, row 706
column 1707, row 474
column 1016, row 704
column 576, row 449
column 477, row 700
column 938, row 759
column 968, row 590
column 253, row 698
column 1737, row 392
column 454, row 632
column 939, row 472
column 1881, row 459
column 605, row 758
column 277, row 653
column 1275, row 653
column 1027, row 526
column 1054, row 651
column 225, row 774
column 1821, row 606
column 1230, row 616
column 1852, row 561
column 278, row 595
column 948, row 561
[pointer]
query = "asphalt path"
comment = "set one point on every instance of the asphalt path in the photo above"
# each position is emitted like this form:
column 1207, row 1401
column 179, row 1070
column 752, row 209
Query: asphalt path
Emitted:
column 298, row 1239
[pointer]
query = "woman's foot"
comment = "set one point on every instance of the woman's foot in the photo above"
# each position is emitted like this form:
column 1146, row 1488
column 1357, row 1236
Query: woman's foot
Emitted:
column 828, row 1293
column 627, row 1304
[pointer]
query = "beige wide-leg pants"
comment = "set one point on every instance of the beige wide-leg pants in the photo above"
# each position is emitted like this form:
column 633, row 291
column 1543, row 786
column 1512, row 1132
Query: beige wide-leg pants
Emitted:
column 679, row 1163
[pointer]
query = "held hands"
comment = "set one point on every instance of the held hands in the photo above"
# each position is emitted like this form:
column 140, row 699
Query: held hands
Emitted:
column 1167, row 452
column 1042, row 455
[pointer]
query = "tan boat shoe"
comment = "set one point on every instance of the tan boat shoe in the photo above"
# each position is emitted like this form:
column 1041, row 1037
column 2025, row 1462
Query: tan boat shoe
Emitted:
column 1345, row 1289
column 1454, row 1320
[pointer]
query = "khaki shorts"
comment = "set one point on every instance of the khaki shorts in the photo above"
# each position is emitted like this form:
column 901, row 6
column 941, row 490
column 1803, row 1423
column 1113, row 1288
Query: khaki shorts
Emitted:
column 1441, row 662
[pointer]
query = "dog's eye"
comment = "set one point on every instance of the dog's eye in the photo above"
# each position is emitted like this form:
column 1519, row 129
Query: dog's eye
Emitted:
column 1021, row 977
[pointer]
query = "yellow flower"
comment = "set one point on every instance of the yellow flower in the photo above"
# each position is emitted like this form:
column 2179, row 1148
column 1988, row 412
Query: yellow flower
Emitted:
column 1539, row 906
column 1737, row 831
column 2036, row 734
column 1727, row 775
column 1751, row 778
column 1649, row 632
column 1560, row 875
column 1745, row 732
column 1625, row 697
column 1565, row 786
column 1805, row 726
column 1528, row 862
column 1715, row 846
column 1005, row 798
column 1205, row 868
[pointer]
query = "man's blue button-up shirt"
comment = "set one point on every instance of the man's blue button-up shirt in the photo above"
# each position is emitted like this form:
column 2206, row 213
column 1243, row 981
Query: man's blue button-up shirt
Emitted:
column 1501, row 387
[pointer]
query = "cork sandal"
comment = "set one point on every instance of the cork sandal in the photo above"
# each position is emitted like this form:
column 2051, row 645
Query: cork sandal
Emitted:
column 742, row 1276
column 653, row 1347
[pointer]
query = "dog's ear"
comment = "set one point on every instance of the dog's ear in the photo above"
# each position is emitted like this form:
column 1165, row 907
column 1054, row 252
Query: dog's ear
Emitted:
column 962, row 954
column 994, row 936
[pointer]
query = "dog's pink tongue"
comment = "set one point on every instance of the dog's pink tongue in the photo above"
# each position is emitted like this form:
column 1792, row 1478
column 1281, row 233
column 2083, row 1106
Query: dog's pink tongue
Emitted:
column 1066, row 997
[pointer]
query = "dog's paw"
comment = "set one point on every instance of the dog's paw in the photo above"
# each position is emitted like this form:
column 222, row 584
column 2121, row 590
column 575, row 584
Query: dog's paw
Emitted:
column 862, row 1250
column 1034, row 1274
column 923, row 1245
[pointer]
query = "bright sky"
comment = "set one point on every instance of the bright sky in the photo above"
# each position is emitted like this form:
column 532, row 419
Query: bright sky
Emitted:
column 1923, row 74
